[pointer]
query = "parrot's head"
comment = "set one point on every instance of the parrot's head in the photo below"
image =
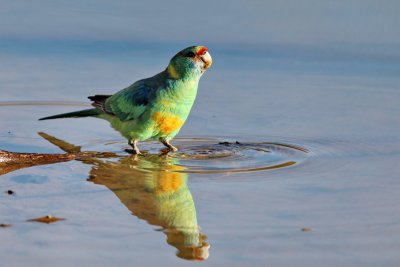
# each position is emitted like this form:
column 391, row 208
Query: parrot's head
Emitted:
column 190, row 62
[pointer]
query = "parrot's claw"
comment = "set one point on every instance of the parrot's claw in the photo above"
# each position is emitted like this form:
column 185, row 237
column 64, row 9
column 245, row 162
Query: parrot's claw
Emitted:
column 168, row 145
column 173, row 148
column 135, row 150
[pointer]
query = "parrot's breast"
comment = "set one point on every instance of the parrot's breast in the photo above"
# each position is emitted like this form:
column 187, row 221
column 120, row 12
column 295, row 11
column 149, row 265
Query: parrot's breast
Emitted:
column 171, row 108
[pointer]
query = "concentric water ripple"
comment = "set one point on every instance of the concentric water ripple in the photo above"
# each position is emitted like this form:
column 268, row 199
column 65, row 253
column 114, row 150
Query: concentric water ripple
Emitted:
column 209, row 155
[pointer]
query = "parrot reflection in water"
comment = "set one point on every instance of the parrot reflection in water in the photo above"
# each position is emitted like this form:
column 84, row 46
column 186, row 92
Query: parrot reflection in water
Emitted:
column 156, row 107
column 154, row 190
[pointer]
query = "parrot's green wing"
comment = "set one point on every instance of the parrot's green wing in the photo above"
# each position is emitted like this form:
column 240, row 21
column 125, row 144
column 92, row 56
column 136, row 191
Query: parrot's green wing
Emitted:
column 129, row 103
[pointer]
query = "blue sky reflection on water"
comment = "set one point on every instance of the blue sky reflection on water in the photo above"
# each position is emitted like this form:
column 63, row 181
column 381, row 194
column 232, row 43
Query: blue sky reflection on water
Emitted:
column 324, row 75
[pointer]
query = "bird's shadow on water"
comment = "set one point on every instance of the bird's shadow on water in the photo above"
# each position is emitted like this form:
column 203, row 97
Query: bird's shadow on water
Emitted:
column 153, row 187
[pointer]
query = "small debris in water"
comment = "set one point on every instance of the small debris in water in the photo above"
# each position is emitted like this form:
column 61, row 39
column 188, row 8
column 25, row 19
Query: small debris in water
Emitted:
column 10, row 192
column 47, row 219
column 229, row 143
column 4, row 225
column 306, row 229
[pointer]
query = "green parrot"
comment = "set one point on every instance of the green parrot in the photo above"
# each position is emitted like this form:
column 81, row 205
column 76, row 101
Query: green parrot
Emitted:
column 156, row 107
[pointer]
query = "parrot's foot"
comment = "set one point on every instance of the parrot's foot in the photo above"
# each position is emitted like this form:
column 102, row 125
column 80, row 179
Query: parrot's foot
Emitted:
column 135, row 150
column 168, row 145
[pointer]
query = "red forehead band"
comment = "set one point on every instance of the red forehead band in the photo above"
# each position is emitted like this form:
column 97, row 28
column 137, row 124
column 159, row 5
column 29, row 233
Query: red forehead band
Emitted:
column 202, row 51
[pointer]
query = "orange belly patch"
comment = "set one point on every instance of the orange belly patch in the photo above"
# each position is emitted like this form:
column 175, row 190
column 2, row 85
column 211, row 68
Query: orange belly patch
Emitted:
column 170, row 181
column 167, row 123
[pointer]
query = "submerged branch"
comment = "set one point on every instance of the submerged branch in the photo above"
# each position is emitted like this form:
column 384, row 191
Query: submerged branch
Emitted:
column 11, row 161
column 8, row 158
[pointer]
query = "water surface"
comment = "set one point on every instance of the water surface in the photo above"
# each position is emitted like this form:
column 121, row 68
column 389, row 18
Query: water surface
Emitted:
column 331, row 126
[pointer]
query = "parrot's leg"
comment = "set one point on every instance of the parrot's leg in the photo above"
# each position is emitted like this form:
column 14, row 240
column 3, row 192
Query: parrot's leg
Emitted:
column 167, row 144
column 133, row 144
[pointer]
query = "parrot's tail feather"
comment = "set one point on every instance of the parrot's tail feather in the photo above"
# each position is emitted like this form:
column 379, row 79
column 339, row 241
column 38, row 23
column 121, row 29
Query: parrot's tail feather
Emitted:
column 75, row 114
column 98, row 101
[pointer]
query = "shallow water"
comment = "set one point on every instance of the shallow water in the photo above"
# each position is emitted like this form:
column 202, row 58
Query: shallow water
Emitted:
column 272, row 146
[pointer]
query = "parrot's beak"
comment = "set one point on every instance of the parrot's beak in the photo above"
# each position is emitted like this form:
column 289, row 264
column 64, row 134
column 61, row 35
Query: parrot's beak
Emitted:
column 207, row 60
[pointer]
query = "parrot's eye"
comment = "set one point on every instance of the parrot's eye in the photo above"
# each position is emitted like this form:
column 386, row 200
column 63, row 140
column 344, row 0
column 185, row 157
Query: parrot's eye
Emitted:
column 190, row 54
